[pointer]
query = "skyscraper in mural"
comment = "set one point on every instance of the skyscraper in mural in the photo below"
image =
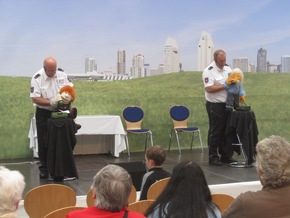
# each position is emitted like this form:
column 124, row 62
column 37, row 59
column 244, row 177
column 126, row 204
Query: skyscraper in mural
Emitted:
column 138, row 66
column 242, row 63
column 121, row 62
column 205, row 51
column 171, row 56
column 285, row 64
column 262, row 60
column 90, row 65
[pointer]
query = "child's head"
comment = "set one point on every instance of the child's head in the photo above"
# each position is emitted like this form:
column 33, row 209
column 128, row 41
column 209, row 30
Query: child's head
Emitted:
column 155, row 155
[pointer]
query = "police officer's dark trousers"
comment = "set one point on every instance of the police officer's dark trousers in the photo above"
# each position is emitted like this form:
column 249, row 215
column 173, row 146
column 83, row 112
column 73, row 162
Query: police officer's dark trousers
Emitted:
column 217, row 125
column 42, row 115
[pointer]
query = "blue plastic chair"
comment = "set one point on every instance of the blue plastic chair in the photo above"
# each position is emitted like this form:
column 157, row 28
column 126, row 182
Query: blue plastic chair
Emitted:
column 133, row 116
column 179, row 115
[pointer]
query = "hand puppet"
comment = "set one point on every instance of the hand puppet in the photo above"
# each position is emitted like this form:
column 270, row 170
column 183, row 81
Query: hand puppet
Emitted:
column 63, row 102
column 236, row 93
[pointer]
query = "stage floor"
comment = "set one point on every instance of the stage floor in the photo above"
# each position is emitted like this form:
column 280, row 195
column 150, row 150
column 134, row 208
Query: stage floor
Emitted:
column 89, row 165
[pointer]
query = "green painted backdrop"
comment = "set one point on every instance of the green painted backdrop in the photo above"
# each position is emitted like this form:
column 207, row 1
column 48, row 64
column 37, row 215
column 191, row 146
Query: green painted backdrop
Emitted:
column 267, row 93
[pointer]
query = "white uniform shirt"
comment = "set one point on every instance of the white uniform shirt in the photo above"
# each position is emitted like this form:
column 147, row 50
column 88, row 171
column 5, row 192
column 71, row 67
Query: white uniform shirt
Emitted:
column 47, row 87
column 214, row 75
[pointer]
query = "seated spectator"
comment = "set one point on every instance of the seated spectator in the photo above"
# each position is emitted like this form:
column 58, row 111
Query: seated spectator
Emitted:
column 273, row 167
column 155, row 157
column 186, row 195
column 111, row 189
column 11, row 188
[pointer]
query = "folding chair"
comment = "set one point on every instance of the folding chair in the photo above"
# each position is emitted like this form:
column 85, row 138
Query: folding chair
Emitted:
column 179, row 115
column 222, row 201
column 140, row 206
column 156, row 188
column 133, row 116
column 44, row 199
column 61, row 213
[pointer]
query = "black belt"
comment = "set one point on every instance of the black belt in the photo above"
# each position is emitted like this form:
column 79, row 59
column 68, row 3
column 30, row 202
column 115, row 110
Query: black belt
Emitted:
column 208, row 102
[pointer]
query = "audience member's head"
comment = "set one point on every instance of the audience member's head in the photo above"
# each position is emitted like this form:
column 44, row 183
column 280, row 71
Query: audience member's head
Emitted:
column 273, row 162
column 11, row 188
column 112, row 186
column 186, row 194
column 155, row 155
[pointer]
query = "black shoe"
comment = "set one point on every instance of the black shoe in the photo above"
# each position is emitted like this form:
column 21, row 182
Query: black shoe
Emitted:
column 215, row 161
column 228, row 160
column 43, row 175
column 58, row 179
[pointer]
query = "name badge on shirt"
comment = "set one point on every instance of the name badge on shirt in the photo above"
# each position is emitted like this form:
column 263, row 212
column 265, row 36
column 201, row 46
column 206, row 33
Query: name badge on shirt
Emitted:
column 60, row 81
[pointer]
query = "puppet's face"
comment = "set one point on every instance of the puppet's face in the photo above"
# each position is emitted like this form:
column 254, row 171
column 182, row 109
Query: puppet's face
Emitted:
column 66, row 97
column 235, row 77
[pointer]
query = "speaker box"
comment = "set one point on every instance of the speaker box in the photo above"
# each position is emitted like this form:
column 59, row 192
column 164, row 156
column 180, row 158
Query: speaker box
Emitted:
column 136, row 171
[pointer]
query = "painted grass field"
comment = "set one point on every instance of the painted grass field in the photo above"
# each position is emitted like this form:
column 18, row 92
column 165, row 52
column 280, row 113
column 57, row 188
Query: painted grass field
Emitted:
column 267, row 94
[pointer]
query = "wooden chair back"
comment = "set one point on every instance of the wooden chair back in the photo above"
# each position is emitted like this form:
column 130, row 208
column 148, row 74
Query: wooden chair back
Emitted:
column 140, row 206
column 222, row 201
column 132, row 197
column 156, row 188
column 61, row 213
column 44, row 199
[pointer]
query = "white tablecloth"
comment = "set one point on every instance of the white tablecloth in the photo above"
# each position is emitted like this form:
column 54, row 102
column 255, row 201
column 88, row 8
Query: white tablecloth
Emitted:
column 91, row 125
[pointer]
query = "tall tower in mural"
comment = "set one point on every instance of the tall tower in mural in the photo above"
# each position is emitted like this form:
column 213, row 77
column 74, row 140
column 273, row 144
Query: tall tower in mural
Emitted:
column 262, row 60
column 90, row 65
column 171, row 56
column 205, row 51
column 121, row 62
column 138, row 66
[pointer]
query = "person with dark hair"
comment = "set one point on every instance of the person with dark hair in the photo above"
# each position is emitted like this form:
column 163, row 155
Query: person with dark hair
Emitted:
column 154, row 157
column 273, row 167
column 186, row 195
column 111, row 189
column 214, row 77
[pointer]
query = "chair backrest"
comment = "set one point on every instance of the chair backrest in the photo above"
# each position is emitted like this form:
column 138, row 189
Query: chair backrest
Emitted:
column 61, row 213
column 222, row 201
column 140, row 206
column 133, row 116
column 179, row 115
column 44, row 199
column 156, row 188
column 132, row 197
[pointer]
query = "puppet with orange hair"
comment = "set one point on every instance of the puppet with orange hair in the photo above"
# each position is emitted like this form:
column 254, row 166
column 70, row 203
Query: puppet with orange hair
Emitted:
column 66, row 97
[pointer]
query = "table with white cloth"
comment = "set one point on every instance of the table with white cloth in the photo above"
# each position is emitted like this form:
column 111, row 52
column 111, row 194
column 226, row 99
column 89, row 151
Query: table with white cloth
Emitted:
column 99, row 134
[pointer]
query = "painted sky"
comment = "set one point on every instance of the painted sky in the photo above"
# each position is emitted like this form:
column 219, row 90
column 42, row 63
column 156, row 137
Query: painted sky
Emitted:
column 72, row 30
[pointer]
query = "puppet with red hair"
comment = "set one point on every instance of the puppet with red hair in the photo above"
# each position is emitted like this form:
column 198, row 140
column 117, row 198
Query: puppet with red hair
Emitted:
column 65, row 99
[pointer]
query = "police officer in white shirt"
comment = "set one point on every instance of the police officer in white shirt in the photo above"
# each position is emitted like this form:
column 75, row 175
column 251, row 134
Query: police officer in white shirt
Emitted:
column 214, row 77
column 44, row 92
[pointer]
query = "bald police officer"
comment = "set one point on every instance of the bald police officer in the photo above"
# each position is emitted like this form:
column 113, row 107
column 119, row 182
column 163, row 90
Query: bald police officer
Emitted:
column 214, row 77
column 44, row 92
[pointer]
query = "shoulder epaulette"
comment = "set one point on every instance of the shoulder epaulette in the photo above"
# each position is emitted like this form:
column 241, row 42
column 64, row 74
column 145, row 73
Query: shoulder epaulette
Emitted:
column 59, row 69
column 226, row 65
column 210, row 68
column 36, row 76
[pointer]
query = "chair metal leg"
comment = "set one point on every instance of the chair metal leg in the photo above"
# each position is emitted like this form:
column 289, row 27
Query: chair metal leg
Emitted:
column 170, row 137
column 242, row 149
column 177, row 139
column 192, row 138
column 127, row 145
column 146, row 138
column 151, row 138
column 200, row 141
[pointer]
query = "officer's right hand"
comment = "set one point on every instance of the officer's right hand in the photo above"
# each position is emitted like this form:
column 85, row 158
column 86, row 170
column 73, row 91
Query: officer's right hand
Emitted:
column 54, row 101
